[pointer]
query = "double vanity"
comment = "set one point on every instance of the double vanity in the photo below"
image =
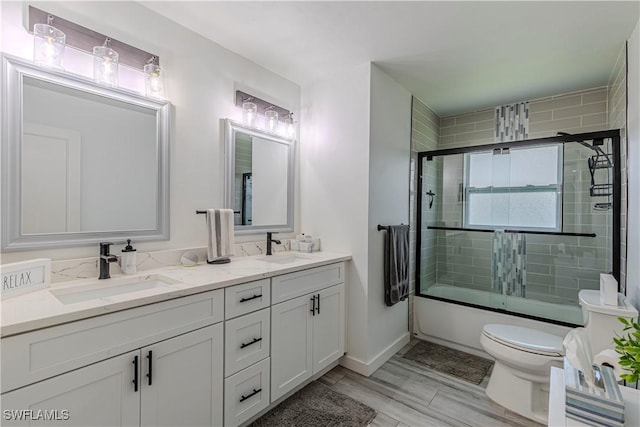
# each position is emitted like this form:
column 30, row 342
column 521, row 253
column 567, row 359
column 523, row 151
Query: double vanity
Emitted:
column 205, row 345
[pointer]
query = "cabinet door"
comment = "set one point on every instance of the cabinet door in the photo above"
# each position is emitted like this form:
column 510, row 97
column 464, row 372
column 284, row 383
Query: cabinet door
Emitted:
column 101, row 394
column 291, row 343
column 328, row 327
column 182, row 380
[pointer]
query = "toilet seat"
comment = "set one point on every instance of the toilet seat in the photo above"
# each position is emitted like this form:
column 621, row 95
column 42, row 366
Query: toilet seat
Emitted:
column 525, row 339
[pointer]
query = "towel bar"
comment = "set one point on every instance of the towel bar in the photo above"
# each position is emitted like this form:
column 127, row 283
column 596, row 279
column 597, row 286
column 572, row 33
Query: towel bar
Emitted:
column 204, row 212
column 385, row 227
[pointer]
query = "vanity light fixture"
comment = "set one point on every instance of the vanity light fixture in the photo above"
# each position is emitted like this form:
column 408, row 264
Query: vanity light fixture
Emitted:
column 249, row 113
column 48, row 45
column 154, row 79
column 277, row 120
column 107, row 56
column 105, row 64
column 271, row 120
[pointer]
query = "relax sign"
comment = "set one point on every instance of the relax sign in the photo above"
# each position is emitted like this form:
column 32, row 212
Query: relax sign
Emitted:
column 22, row 277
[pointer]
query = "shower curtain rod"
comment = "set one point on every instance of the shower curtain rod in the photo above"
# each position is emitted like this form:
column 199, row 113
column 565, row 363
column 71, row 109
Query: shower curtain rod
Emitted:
column 578, row 137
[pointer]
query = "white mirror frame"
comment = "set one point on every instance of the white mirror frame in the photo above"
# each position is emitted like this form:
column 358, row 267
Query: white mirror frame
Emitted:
column 230, row 129
column 13, row 72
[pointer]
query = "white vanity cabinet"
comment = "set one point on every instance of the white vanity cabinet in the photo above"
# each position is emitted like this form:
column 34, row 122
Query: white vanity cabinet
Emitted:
column 152, row 365
column 307, row 325
column 174, row 382
column 215, row 358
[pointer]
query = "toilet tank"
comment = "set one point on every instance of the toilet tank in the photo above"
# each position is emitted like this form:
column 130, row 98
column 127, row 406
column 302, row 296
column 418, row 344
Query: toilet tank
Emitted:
column 601, row 321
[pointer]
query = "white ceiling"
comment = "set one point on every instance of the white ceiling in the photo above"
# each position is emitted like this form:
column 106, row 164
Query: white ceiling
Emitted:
column 454, row 56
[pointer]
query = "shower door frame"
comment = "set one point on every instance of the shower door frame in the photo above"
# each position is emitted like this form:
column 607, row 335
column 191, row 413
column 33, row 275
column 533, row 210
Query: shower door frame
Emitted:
column 612, row 134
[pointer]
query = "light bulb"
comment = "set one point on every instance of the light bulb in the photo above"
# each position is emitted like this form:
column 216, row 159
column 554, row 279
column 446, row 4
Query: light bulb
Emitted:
column 105, row 66
column 271, row 120
column 249, row 113
column 154, row 82
column 48, row 46
column 291, row 129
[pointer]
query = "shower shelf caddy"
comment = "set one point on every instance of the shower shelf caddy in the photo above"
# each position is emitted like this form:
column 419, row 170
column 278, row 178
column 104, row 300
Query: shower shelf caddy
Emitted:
column 596, row 162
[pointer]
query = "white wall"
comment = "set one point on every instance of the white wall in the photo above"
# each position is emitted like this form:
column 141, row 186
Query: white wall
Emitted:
column 354, row 159
column 390, row 147
column 201, row 81
column 334, row 173
column 633, row 129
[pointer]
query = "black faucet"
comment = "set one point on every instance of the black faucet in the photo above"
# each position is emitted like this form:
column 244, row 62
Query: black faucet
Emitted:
column 105, row 259
column 269, row 240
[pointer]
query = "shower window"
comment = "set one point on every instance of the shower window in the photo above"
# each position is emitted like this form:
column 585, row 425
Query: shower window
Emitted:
column 514, row 188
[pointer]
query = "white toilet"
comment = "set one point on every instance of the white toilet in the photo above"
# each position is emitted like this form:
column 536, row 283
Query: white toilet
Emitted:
column 524, row 356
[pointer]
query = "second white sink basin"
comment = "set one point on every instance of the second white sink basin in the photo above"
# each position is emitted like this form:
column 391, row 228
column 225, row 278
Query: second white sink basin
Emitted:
column 283, row 259
column 111, row 287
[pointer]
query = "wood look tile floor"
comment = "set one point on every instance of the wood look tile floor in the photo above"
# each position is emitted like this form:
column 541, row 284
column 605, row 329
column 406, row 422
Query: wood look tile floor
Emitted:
column 407, row 393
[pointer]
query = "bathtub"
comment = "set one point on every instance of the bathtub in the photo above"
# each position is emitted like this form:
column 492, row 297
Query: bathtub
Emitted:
column 460, row 326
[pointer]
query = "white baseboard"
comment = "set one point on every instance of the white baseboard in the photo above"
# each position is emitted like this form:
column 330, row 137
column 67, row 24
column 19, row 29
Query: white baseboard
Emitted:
column 368, row 368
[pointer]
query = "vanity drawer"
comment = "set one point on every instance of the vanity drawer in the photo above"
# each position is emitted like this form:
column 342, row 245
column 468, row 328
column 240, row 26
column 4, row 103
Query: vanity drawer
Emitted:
column 246, row 393
column 245, row 298
column 247, row 340
column 293, row 285
column 34, row 356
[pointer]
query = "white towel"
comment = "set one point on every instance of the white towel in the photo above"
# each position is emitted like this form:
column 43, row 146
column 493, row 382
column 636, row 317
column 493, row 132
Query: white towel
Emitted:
column 221, row 234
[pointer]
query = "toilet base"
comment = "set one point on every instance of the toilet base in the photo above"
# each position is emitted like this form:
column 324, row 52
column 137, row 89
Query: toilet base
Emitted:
column 527, row 398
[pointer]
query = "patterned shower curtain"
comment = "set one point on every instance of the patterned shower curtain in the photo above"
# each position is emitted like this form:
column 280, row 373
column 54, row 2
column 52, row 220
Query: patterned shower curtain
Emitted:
column 509, row 263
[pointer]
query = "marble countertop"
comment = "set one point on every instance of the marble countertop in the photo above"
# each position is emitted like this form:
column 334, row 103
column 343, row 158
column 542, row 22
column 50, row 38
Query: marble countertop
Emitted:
column 41, row 309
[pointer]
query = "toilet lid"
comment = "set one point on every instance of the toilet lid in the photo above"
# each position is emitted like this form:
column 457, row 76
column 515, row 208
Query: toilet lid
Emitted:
column 525, row 339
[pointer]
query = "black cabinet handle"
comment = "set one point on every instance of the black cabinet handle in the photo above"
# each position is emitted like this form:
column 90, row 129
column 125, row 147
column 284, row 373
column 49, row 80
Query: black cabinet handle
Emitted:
column 250, row 298
column 149, row 375
column 255, row 340
column 318, row 296
column 313, row 308
column 135, row 374
column 250, row 395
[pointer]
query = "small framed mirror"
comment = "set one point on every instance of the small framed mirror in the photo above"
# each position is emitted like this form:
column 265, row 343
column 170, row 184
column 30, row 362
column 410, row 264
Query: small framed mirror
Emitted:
column 81, row 163
column 259, row 179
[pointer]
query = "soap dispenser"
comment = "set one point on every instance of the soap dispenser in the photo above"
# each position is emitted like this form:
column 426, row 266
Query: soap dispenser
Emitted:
column 128, row 261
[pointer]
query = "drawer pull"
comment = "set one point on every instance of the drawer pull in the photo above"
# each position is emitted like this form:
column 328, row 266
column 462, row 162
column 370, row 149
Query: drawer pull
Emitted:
column 150, row 374
column 135, row 374
column 250, row 395
column 255, row 340
column 250, row 298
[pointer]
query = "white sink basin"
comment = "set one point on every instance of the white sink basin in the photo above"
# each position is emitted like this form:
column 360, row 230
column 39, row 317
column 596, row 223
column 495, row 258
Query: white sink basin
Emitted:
column 284, row 259
column 111, row 287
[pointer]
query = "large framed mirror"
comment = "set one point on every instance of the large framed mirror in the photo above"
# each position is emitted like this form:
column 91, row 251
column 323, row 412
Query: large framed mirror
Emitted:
column 81, row 163
column 259, row 179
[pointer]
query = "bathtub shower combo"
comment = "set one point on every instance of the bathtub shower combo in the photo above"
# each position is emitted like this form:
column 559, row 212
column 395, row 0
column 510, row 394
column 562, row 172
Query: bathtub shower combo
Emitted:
column 520, row 227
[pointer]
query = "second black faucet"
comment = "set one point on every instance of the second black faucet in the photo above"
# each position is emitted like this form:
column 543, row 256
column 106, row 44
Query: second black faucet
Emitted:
column 269, row 240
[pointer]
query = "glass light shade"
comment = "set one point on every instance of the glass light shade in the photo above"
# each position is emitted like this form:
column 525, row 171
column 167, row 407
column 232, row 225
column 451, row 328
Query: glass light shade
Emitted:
column 271, row 123
column 48, row 46
column 105, row 66
column 290, row 129
column 249, row 113
column 154, row 81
